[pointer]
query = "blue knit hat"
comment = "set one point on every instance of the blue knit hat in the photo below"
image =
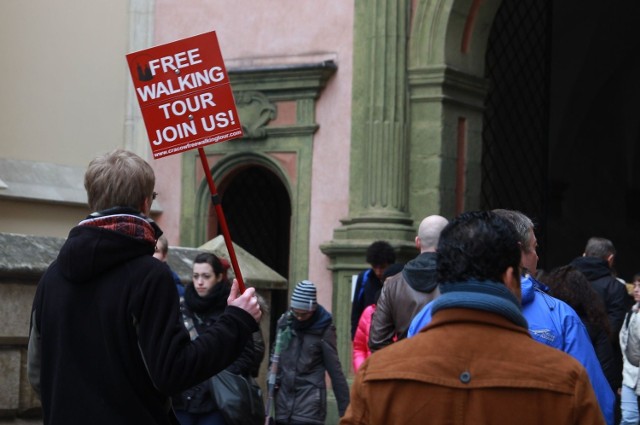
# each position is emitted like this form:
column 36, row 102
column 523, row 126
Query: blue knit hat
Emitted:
column 304, row 296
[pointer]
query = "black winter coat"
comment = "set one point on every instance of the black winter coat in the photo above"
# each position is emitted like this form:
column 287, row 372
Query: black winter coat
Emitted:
column 614, row 294
column 604, row 349
column 107, row 343
column 617, row 302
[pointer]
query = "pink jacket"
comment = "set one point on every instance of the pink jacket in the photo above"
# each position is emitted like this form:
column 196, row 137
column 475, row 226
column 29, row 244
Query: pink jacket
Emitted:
column 361, row 339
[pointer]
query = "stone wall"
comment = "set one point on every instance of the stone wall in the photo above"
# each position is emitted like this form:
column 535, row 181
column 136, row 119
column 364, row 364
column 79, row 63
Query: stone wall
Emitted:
column 23, row 259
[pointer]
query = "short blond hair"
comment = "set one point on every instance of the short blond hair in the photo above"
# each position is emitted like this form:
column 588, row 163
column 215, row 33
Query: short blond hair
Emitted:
column 118, row 179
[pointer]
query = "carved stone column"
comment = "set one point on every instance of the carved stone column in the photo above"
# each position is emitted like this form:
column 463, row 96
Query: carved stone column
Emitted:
column 379, row 149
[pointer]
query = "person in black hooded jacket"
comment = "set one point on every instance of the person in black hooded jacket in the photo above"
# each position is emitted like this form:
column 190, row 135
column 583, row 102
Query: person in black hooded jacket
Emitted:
column 596, row 264
column 107, row 344
column 404, row 294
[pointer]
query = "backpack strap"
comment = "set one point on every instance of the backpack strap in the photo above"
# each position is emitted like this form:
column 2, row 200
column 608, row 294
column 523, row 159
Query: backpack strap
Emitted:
column 365, row 278
column 188, row 321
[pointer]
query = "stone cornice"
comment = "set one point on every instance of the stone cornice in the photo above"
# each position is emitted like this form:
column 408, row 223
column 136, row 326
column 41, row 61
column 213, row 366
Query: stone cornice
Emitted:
column 445, row 84
column 284, row 82
column 34, row 181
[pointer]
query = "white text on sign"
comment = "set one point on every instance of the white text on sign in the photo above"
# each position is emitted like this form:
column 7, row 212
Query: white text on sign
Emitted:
column 183, row 130
column 177, row 61
column 184, row 82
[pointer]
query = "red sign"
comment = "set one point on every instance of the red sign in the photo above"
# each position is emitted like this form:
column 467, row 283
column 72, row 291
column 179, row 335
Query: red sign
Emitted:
column 184, row 94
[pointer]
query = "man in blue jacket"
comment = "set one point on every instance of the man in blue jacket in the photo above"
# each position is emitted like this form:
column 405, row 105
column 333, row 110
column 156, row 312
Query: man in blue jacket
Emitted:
column 551, row 321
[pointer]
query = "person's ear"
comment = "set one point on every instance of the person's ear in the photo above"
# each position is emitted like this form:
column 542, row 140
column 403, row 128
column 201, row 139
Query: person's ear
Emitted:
column 610, row 260
column 146, row 206
column 511, row 280
column 418, row 244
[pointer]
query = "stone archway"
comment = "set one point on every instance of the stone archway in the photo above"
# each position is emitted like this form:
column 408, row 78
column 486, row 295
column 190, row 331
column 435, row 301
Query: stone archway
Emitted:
column 591, row 184
column 258, row 213
column 446, row 63
column 258, row 209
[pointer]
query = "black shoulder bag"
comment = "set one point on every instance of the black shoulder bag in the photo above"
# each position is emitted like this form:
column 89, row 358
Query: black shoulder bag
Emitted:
column 239, row 399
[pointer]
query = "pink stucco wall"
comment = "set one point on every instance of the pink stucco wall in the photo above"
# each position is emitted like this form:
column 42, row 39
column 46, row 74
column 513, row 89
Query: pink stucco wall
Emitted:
column 280, row 31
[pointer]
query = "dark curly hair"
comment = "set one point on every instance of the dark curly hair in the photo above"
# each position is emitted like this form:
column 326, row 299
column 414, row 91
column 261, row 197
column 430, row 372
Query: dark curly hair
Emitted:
column 380, row 253
column 571, row 286
column 478, row 245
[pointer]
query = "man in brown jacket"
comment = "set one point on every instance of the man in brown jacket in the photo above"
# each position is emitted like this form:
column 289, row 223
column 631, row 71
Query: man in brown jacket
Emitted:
column 405, row 293
column 476, row 362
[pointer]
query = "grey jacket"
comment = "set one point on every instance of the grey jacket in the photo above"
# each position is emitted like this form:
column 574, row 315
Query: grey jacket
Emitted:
column 629, row 371
column 403, row 296
column 309, row 351
column 633, row 347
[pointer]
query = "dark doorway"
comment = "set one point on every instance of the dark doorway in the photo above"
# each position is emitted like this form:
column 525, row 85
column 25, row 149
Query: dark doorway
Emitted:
column 257, row 208
column 561, row 130
column 516, row 119
column 594, row 131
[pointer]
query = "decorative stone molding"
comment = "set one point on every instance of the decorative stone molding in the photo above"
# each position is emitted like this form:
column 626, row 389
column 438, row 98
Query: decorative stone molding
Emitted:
column 255, row 112
column 258, row 88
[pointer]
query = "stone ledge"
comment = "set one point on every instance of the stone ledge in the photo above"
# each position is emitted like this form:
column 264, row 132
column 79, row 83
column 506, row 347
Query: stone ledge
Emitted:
column 30, row 180
column 45, row 182
column 26, row 257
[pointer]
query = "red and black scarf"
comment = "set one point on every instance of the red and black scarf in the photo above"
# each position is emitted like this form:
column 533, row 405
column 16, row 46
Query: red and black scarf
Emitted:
column 127, row 222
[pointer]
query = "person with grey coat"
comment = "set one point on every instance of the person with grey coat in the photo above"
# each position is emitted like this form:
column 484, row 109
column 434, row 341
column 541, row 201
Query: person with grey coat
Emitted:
column 308, row 350
column 632, row 349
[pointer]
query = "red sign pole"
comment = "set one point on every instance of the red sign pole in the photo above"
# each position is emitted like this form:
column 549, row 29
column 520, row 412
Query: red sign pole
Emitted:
column 215, row 199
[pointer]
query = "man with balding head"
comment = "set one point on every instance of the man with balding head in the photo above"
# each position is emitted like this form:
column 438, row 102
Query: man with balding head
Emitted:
column 405, row 293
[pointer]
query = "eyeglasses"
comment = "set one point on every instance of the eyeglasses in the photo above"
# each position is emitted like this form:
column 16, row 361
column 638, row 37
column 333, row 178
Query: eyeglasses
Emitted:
column 154, row 195
column 301, row 315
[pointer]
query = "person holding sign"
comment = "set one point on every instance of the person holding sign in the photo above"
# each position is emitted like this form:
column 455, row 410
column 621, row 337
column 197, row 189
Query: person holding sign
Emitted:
column 107, row 344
